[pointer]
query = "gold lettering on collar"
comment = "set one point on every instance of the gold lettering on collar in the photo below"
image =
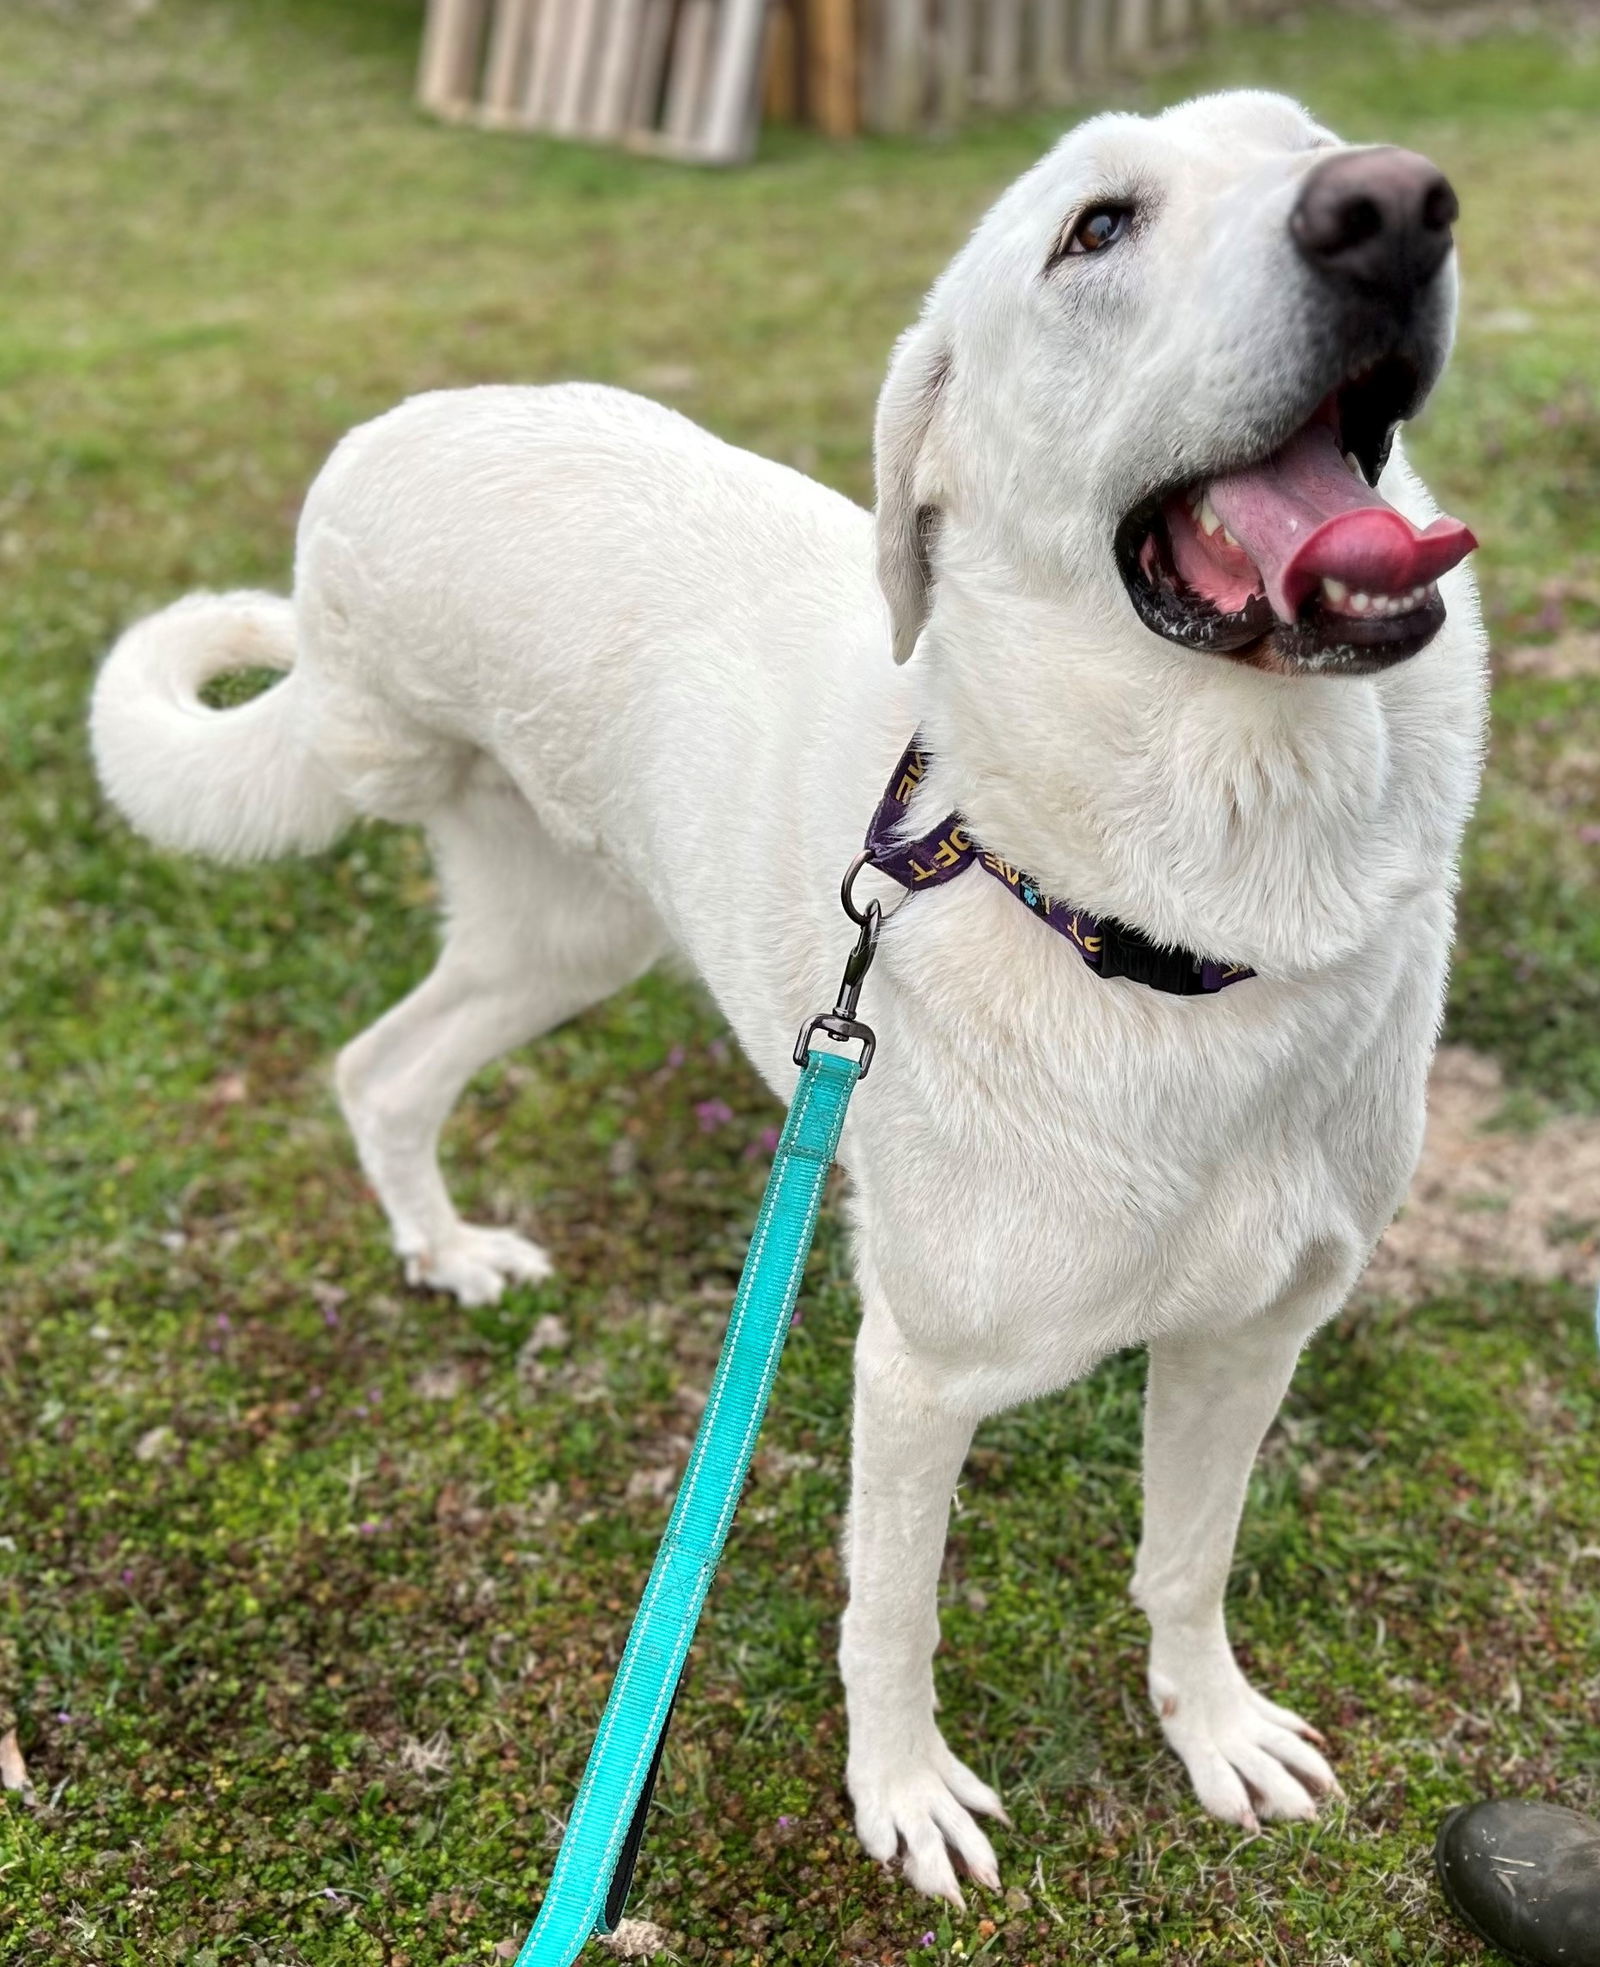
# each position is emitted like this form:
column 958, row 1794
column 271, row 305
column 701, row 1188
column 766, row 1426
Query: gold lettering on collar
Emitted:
column 911, row 778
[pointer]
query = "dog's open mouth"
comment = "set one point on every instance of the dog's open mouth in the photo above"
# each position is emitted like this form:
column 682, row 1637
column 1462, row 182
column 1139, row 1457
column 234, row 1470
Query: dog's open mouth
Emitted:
column 1294, row 562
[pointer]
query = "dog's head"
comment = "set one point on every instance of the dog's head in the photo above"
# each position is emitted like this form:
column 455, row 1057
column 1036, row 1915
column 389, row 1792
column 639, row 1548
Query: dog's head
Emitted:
column 1165, row 375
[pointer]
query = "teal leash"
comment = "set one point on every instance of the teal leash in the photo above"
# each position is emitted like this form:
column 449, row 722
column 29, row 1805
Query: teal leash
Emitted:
column 594, row 1867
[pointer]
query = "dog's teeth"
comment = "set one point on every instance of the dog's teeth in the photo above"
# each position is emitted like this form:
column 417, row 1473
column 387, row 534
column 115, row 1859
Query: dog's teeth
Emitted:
column 1360, row 603
column 1229, row 537
column 1336, row 592
column 1353, row 465
column 1208, row 515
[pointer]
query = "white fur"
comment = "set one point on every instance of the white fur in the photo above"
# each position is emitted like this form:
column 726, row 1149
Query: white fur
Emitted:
column 636, row 684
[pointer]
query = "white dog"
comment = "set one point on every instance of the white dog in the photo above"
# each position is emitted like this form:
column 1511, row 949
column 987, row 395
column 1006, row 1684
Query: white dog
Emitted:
column 1171, row 654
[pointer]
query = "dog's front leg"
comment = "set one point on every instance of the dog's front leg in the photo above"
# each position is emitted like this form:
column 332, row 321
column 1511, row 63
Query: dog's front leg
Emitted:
column 1211, row 1400
column 909, row 1791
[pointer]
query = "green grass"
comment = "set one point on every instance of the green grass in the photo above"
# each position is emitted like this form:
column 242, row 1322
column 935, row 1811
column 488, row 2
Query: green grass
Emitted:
column 268, row 1516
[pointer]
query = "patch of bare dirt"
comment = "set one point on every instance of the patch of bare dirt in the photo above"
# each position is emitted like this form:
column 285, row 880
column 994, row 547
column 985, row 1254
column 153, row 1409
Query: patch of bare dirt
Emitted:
column 1573, row 654
column 1491, row 1198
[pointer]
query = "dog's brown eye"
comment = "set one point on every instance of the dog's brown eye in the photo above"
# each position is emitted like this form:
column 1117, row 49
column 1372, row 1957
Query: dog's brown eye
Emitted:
column 1101, row 226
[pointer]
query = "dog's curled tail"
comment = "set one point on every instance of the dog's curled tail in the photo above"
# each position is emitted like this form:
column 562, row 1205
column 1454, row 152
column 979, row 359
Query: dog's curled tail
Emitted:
column 237, row 784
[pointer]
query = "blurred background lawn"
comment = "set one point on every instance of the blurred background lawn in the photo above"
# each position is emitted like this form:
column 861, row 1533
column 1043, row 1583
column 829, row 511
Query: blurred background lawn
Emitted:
column 311, row 1585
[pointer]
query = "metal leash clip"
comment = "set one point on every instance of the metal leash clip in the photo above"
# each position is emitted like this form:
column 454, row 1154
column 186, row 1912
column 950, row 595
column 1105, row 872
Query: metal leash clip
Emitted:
column 841, row 1022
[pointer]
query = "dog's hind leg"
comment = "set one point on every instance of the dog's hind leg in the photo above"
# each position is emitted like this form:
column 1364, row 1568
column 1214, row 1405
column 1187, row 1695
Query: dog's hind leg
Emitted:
column 1211, row 1399
column 533, row 934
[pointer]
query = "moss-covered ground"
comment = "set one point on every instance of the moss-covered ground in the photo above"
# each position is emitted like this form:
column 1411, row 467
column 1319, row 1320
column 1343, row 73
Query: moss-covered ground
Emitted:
column 311, row 1585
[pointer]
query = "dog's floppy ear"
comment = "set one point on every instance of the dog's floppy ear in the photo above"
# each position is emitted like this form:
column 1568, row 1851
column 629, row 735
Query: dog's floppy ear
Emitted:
column 908, row 480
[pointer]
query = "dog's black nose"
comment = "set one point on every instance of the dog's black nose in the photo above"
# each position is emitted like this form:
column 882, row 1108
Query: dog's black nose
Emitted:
column 1376, row 220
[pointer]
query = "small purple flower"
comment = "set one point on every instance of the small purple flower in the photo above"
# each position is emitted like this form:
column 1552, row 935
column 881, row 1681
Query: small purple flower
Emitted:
column 127, row 1577
column 1589, row 835
column 712, row 1114
column 675, row 1058
column 784, row 1822
column 224, row 1322
column 369, row 1528
column 927, row 1940
column 330, row 1314
column 64, row 1718
column 718, row 1050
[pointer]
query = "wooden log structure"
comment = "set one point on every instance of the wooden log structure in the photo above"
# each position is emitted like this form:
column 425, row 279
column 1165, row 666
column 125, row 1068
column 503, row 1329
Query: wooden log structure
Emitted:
column 692, row 79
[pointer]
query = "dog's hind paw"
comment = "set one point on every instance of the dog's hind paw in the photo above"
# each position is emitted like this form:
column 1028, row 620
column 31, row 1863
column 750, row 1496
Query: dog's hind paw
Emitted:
column 477, row 1264
column 1248, row 1759
column 923, row 1809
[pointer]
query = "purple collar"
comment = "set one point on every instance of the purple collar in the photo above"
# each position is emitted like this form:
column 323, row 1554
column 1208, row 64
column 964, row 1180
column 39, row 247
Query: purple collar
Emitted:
column 1110, row 948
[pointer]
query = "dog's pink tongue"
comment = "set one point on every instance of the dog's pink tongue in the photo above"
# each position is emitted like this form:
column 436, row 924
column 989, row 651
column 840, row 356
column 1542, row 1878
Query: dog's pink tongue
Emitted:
column 1304, row 517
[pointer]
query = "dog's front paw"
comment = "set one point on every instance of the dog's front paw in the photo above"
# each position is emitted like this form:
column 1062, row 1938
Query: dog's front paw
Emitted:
column 922, row 1804
column 1247, row 1758
column 477, row 1264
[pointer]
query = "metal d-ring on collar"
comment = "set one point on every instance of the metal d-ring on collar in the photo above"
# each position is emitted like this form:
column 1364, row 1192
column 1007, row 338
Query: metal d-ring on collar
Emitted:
column 841, row 1022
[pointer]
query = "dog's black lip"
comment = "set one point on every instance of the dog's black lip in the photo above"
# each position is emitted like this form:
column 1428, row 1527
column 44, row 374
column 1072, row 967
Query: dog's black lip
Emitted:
column 1317, row 640
column 1370, row 403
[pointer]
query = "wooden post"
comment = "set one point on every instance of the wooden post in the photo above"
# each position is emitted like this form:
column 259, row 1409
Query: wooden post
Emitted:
column 833, row 81
column 728, row 126
column 509, row 35
column 613, row 88
column 1052, row 51
column 577, row 65
column 1092, row 43
column 901, row 73
column 953, row 58
column 1002, row 54
column 690, row 63
column 650, row 71
column 452, row 47
column 780, row 88
column 1132, row 35
column 543, row 87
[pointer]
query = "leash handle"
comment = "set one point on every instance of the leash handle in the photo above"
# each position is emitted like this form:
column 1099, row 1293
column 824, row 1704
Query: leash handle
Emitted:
column 594, row 1866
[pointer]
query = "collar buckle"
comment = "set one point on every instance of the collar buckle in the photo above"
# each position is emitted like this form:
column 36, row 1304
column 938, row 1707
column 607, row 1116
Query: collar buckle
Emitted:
column 1128, row 952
